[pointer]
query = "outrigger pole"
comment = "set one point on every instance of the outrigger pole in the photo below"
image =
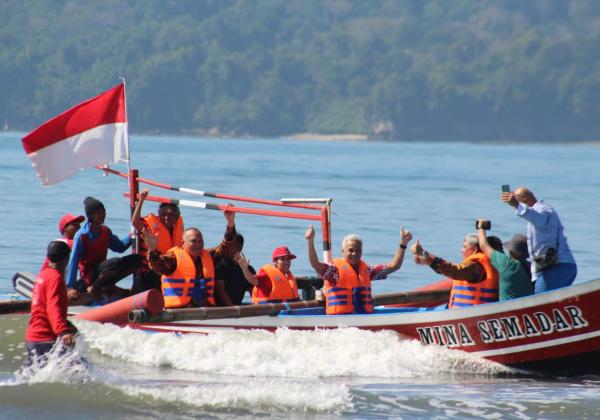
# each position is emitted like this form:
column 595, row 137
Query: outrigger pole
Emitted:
column 324, row 204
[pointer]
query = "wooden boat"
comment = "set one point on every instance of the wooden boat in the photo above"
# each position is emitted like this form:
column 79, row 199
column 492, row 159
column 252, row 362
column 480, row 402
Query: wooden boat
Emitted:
column 555, row 332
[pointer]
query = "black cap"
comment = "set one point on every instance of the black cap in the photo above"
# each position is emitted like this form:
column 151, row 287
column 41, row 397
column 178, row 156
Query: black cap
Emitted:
column 57, row 251
column 92, row 205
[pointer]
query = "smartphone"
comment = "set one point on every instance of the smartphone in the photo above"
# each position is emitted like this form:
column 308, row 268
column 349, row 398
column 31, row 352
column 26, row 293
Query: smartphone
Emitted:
column 506, row 188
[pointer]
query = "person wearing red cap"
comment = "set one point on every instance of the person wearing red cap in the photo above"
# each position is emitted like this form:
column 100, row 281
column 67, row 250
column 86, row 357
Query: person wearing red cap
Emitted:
column 274, row 282
column 348, row 279
column 68, row 225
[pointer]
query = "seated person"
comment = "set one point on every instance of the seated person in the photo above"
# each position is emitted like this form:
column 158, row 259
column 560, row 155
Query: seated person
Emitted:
column 230, row 277
column 90, row 248
column 187, row 271
column 274, row 282
column 348, row 279
column 475, row 281
column 514, row 271
column 167, row 226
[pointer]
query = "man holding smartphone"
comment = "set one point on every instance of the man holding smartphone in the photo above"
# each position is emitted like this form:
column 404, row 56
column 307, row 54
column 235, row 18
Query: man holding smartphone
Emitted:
column 552, row 264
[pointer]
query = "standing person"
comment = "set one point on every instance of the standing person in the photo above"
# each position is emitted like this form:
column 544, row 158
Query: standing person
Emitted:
column 167, row 226
column 474, row 281
column 188, row 271
column 552, row 264
column 274, row 282
column 348, row 279
column 228, row 272
column 48, row 322
column 513, row 269
column 90, row 248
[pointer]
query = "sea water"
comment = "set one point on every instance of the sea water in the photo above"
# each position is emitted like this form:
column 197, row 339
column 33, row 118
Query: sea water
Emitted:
column 435, row 190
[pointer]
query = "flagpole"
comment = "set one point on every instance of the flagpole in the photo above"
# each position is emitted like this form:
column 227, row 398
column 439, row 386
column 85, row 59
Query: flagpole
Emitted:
column 132, row 175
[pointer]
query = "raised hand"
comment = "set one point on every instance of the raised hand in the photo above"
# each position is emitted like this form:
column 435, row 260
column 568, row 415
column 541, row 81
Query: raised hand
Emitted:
column 405, row 236
column 144, row 194
column 150, row 239
column 509, row 198
column 229, row 216
column 416, row 248
column 310, row 233
column 241, row 260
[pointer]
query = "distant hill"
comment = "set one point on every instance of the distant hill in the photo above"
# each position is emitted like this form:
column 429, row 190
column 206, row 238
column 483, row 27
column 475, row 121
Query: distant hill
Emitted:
column 403, row 69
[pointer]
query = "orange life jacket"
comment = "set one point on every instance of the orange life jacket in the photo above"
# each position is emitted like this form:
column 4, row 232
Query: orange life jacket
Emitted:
column 166, row 240
column 464, row 293
column 352, row 293
column 181, row 286
column 283, row 288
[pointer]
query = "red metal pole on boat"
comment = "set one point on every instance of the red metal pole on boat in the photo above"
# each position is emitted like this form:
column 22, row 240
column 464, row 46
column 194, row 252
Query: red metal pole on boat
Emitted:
column 326, row 231
column 134, row 190
column 210, row 194
column 223, row 207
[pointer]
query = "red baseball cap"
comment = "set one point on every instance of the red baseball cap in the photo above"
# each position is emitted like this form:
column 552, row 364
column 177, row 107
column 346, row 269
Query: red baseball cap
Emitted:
column 67, row 219
column 282, row 251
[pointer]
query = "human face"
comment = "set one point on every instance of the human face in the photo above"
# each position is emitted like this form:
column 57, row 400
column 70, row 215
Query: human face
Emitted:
column 283, row 264
column 98, row 217
column 71, row 229
column 467, row 249
column 168, row 216
column 352, row 252
column 193, row 243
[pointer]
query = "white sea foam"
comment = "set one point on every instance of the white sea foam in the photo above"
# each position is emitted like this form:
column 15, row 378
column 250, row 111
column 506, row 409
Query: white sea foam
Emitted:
column 347, row 352
column 255, row 394
column 54, row 367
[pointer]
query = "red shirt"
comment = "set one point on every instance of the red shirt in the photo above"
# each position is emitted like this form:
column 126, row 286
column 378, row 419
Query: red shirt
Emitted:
column 48, row 307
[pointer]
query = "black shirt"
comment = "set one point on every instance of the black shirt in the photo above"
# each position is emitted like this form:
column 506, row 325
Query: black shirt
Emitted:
column 230, row 272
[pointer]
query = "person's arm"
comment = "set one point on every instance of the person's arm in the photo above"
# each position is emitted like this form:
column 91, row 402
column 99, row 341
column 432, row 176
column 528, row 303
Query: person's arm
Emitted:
column 263, row 283
column 396, row 263
column 318, row 266
column 473, row 272
column 136, row 220
column 484, row 245
column 73, row 266
column 162, row 264
column 244, row 264
column 539, row 217
column 56, row 306
column 117, row 244
column 227, row 247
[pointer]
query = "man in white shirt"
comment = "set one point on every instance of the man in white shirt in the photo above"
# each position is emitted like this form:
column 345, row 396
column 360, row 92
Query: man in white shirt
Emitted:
column 552, row 264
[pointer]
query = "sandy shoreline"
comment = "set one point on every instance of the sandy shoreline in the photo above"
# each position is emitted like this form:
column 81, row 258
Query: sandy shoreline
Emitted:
column 326, row 137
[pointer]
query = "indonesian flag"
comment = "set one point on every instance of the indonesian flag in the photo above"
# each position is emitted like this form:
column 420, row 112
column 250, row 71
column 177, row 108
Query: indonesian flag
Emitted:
column 89, row 134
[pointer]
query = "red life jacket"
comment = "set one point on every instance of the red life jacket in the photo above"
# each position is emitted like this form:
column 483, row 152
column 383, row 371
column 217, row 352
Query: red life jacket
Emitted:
column 93, row 253
column 352, row 293
column 179, row 287
column 464, row 293
column 283, row 288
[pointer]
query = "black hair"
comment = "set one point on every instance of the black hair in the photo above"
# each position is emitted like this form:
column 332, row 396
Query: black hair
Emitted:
column 164, row 206
column 495, row 243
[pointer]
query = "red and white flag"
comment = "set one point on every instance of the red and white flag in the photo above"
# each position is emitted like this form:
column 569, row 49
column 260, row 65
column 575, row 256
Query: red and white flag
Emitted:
column 89, row 134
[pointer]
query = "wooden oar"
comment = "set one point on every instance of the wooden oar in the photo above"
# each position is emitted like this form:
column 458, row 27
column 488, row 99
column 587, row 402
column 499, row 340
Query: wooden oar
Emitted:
column 14, row 306
column 272, row 309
